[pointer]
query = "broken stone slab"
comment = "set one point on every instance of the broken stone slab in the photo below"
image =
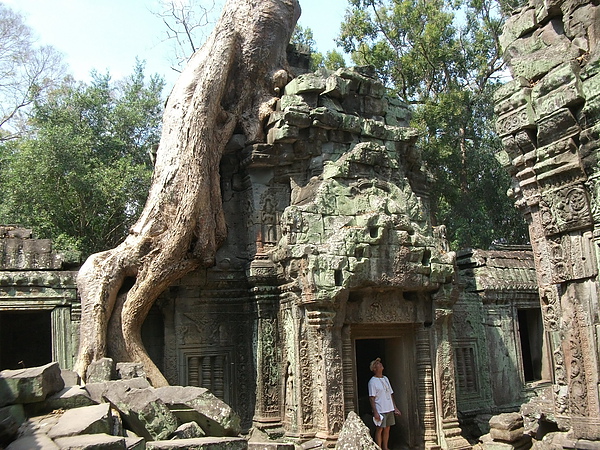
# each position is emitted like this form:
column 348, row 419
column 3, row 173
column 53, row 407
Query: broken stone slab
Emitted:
column 195, row 404
column 355, row 434
column 135, row 443
column 11, row 418
column 91, row 442
column 30, row 385
column 145, row 413
column 110, row 390
column 68, row 398
column 100, row 371
column 129, row 370
column 188, row 430
column 205, row 443
column 33, row 442
column 96, row 419
column 70, row 377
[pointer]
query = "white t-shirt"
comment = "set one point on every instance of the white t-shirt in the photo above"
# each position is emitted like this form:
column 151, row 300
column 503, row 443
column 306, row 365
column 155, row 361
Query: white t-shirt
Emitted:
column 381, row 389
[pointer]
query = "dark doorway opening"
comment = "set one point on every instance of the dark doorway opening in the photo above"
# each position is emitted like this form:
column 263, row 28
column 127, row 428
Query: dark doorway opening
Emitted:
column 153, row 336
column 25, row 339
column 531, row 333
column 397, row 356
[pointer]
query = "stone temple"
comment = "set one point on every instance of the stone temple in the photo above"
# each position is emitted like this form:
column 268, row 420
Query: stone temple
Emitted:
column 331, row 260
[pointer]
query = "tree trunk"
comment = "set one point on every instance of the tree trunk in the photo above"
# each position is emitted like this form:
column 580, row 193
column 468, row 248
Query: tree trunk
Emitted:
column 229, row 83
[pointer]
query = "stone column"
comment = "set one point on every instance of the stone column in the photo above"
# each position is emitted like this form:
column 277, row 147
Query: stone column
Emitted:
column 425, row 386
column 267, row 412
column 327, row 363
column 448, row 425
column 62, row 352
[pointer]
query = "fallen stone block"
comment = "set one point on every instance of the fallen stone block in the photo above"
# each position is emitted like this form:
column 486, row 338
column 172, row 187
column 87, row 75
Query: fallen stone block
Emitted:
column 99, row 371
column 68, row 398
column 195, row 404
column 205, row 443
column 146, row 414
column 129, row 370
column 86, row 420
column 33, row 442
column 188, row 430
column 91, row 442
column 114, row 390
column 70, row 377
column 355, row 434
column 135, row 443
column 11, row 418
column 30, row 385
column 507, row 421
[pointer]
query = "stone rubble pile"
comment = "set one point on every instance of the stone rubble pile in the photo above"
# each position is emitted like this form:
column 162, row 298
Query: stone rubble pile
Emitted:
column 39, row 410
column 507, row 432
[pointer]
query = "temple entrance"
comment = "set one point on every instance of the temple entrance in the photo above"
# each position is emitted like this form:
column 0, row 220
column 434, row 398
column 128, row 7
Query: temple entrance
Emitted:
column 398, row 356
column 25, row 339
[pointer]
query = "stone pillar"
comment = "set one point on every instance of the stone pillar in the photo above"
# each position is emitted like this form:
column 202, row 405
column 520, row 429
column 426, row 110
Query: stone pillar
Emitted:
column 267, row 412
column 448, row 425
column 549, row 121
column 327, row 363
column 62, row 351
column 425, row 386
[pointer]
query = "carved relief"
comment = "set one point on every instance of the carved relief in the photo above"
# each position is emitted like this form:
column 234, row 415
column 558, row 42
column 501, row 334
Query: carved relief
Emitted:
column 565, row 209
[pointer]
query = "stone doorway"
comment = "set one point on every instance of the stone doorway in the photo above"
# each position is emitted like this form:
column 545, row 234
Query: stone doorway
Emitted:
column 25, row 339
column 397, row 352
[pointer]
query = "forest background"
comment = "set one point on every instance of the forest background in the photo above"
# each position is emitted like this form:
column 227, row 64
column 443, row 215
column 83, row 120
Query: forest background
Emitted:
column 76, row 155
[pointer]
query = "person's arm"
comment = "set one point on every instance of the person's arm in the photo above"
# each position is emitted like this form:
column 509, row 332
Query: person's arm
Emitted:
column 375, row 412
column 396, row 410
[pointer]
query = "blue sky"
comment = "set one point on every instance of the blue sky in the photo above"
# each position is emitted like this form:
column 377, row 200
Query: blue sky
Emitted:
column 110, row 34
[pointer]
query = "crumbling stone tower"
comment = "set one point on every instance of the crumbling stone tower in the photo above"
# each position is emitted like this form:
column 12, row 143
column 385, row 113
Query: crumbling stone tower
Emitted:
column 549, row 120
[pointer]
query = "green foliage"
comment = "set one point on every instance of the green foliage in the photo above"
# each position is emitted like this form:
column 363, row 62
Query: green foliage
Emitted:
column 303, row 39
column 443, row 57
column 83, row 173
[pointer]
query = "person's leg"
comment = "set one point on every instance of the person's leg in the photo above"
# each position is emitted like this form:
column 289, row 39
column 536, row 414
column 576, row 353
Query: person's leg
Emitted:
column 385, row 437
column 378, row 432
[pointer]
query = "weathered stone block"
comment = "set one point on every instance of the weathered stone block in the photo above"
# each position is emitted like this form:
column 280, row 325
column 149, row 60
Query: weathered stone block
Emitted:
column 188, row 430
column 91, row 442
column 293, row 102
column 591, row 87
column 326, row 118
column 199, row 405
column 282, row 133
column 533, row 56
column 68, row 398
column 520, row 98
column 146, row 414
column 113, row 390
column 557, row 126
column 129, row 370
column 507, row 435
column 30, row 385
column 85, row 420
column 355, row 435
column 518, row 25
column 336, row 86
column 33, row 442
column 100, row 371
column 206, row 443
column 305, row 83
column 515, row 121
column 11, row 418
column 507, row 421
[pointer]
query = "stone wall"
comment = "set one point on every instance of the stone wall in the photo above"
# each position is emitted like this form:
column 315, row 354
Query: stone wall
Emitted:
column 549, row 120
column 39, row 308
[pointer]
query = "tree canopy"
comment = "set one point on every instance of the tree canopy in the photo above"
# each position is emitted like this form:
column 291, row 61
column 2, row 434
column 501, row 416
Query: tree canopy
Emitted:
column 444, row 58
column 27, row 71
column 82, row 173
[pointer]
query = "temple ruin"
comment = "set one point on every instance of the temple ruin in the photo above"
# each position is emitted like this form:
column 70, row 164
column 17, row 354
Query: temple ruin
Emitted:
column 331, row 260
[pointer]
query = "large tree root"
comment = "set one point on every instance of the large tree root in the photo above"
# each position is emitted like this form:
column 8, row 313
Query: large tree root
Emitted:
column 227, row 84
